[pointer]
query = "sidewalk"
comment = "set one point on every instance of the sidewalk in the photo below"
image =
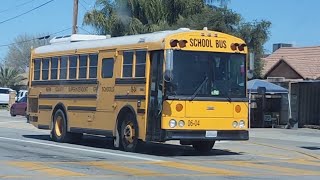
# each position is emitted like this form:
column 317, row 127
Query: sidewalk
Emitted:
column 302, row 134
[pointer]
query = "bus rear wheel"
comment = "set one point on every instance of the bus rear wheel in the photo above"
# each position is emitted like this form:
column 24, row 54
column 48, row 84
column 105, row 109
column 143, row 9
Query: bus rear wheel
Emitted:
column 59, row 130
column 129, row 134
column 203, row 146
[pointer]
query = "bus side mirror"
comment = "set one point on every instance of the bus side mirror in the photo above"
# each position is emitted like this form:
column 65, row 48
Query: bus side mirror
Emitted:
column 250, row 74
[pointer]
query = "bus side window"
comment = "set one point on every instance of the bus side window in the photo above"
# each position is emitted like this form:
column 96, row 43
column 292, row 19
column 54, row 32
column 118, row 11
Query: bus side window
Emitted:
column 45, row 68
column 83, row 66
column 127, row 64
column 73, row 61
column 140, row 63
column 93, row 65
column 107, row 67
column 63, row 67
column 54, row 68
column 37, row 63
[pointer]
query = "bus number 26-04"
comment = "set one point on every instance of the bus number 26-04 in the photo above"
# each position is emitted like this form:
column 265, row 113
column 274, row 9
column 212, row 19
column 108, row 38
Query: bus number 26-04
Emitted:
column 193, row 123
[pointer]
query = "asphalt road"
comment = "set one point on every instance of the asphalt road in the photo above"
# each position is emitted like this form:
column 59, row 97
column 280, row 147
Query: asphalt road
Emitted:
column 28, row 153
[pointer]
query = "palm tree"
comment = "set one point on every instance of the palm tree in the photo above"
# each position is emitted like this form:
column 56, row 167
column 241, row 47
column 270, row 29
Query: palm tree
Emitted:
column 10, row 77
column 123, row 17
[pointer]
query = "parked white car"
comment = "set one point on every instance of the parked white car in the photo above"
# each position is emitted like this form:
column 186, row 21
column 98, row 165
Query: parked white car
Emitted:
column 4, row 95
column 21, row 94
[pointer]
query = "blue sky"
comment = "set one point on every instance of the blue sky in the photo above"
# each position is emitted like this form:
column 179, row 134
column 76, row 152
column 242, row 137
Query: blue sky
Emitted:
column 292, row 20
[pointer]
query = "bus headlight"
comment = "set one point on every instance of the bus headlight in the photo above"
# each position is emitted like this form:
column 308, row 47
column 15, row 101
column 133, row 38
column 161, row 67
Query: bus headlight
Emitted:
column 172, row 123
column 235, row 124
column 242, row 124
column 181, row 123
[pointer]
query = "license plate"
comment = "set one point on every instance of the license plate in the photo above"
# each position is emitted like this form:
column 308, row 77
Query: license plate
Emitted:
column 211, row 133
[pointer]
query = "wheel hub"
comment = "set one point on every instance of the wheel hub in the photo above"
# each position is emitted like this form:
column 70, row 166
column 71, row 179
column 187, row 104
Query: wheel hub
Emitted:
column 129, row 133
column 58, row 126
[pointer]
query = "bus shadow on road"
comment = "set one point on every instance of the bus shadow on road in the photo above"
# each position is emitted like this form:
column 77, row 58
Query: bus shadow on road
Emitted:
column 156, row 149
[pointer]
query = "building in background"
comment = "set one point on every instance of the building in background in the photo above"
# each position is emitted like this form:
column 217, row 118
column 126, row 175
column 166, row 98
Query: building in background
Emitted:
column 298, row 70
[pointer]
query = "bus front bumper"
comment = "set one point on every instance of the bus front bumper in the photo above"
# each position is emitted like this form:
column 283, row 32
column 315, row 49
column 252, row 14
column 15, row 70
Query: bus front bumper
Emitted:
column 240, row 135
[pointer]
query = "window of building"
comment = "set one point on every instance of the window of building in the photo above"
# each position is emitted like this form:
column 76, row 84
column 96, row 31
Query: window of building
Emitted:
column 73, row 61
column 93, row 65
column 54, row 68
column 140, row 63
column 83, row 62
column 45, row 68
column 107, row 67
column 127, row 64
column 63, row 67
column 37, row 64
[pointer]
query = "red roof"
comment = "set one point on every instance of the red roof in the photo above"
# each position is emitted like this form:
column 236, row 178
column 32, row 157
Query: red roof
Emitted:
column 304, row 60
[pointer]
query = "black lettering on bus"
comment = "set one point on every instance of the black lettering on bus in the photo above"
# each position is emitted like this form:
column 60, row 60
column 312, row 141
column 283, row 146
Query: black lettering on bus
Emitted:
column 199, row 42
column 221, row 44
column 191, row 42
column 78, row 89
column 107, row 89
column 224, row 44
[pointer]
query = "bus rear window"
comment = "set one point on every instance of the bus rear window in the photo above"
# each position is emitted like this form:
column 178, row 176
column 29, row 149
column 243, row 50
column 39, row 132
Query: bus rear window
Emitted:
column 37, row 64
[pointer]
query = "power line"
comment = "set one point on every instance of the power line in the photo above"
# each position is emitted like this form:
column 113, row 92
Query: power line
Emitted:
column 26, row 12
column 83, row 6
column 85, row 30
column 86, row 2
column 39, row 38
column 19, row 5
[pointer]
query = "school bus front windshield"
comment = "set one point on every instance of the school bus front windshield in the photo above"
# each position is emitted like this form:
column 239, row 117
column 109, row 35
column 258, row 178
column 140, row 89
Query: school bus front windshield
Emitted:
column 206, row 75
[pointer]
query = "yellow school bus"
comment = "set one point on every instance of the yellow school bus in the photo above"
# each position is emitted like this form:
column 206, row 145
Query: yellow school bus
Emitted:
column 186, row 85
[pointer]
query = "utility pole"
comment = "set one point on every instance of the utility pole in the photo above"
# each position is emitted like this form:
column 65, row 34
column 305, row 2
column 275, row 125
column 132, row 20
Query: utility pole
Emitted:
column 75, row 17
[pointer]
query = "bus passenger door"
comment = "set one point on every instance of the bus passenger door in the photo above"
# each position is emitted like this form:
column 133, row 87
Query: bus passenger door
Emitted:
column 105, row 91
column 155, row 94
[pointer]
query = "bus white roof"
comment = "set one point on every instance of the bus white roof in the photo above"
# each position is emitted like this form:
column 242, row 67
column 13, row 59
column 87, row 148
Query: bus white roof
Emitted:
column 76, row 38
column 101, row 43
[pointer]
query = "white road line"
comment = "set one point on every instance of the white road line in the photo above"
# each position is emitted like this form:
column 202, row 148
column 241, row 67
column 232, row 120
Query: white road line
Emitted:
column 4, row 122
column 82, row 149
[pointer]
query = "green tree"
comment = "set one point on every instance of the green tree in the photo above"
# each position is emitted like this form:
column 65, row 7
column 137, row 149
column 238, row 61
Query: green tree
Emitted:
column 217, row 19
column 255, row 35
column 10, row 77
column 124, row 17
column 18, row 55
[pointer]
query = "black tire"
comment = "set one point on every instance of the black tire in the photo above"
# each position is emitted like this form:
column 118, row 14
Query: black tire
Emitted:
column 203, row 146
column 59, row 128
column 129, row 133
column 12, row 113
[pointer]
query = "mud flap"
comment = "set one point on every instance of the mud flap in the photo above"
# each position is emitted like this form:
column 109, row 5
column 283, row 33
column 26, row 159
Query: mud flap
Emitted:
column 116, row 141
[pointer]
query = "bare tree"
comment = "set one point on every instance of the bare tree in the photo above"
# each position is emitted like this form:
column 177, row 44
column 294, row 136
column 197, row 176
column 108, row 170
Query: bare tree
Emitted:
column 19, row 51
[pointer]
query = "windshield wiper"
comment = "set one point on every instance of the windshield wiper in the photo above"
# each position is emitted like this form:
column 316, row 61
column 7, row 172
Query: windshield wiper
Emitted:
column 228, row 97
column 198, row 89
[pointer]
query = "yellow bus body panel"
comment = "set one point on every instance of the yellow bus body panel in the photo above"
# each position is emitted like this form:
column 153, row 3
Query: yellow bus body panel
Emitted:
column 205, row 115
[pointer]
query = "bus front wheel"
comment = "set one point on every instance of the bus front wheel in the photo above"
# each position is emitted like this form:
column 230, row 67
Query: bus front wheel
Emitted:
column 129, row 134
column 203, row 146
